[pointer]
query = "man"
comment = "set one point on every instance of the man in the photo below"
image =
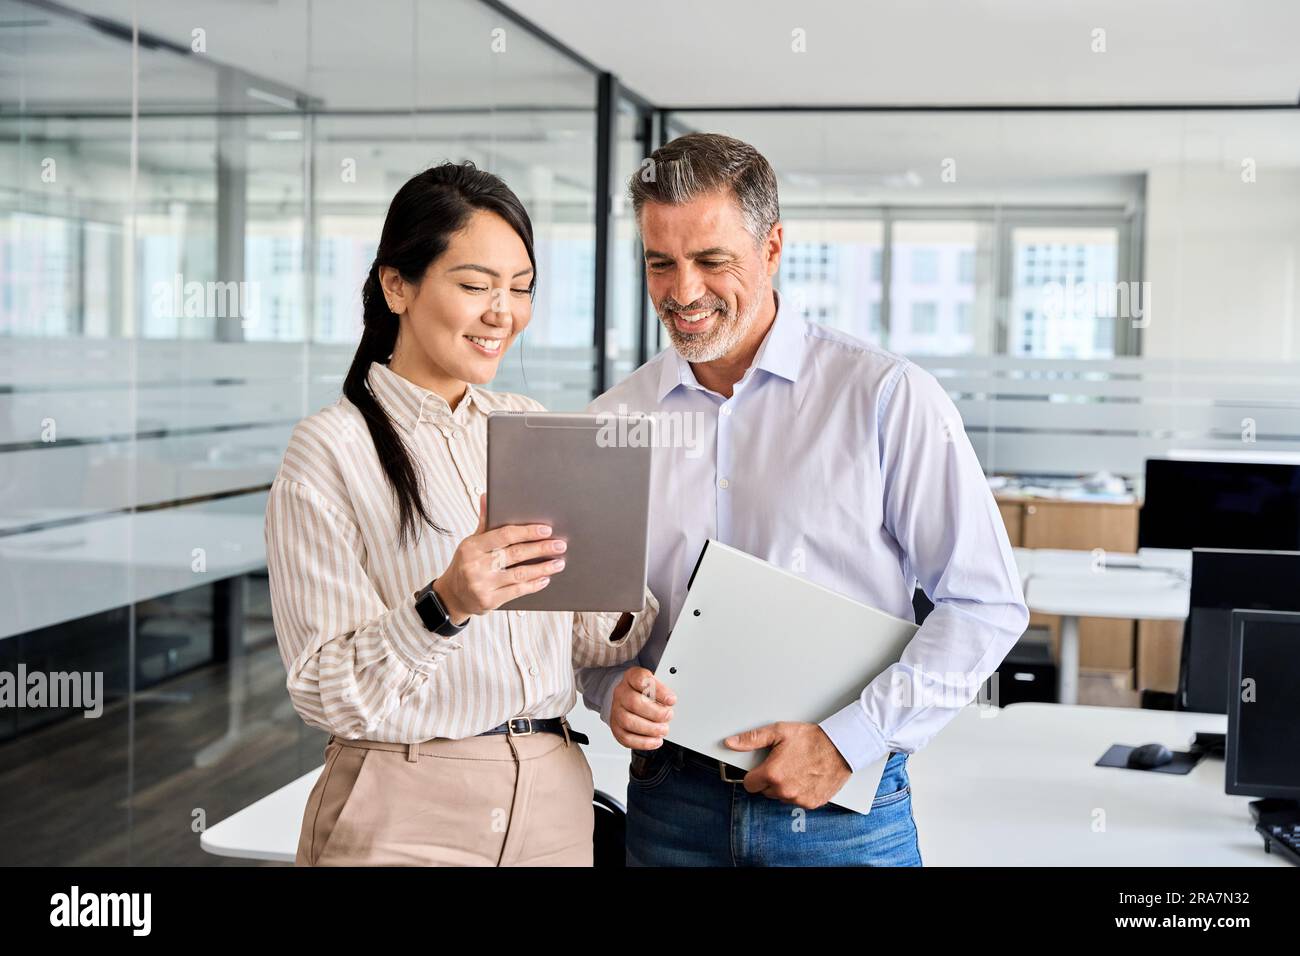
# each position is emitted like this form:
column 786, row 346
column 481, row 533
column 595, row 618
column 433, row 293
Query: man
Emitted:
column 819, row 453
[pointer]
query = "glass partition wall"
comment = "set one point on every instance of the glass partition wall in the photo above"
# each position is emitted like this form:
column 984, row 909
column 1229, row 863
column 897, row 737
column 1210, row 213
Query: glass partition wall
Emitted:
column 186, row 219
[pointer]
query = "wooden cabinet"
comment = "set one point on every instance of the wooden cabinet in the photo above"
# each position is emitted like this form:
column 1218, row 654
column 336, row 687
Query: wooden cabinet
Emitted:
column 1160, row 643
column 1013, row 518
column 1079, row 526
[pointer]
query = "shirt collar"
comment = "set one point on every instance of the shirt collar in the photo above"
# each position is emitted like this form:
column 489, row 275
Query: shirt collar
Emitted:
column 780, row 354
column 408, row 404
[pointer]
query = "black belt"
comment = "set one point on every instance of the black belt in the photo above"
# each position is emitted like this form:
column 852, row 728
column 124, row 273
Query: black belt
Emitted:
column 527, row 726
column 729, row 773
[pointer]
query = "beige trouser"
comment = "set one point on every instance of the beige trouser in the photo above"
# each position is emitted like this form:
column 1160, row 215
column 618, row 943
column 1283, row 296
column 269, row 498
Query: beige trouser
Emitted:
column 481, row 801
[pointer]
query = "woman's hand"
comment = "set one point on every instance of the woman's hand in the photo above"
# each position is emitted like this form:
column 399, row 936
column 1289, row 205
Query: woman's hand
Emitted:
column 482, row 576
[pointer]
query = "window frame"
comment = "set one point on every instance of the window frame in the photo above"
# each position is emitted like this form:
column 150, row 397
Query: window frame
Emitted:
column 1127, row 220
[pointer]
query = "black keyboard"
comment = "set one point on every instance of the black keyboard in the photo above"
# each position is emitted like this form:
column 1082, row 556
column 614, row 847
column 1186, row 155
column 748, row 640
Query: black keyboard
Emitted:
column 1282, row 839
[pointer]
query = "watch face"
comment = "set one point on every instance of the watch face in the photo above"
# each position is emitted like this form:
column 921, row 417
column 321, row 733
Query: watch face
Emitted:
column 434, row 615
column 431, row 610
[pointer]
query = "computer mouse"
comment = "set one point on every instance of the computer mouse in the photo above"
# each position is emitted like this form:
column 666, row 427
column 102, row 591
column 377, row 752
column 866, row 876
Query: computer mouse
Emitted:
column 1149, row 756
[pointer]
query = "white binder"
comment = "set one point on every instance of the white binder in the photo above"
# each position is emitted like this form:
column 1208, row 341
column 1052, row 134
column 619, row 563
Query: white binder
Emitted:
column 755, row 644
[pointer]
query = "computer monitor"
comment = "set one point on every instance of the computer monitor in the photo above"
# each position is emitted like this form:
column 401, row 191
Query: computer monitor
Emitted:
column 1220, row 504
column 1222, row 581
column 1263, row 746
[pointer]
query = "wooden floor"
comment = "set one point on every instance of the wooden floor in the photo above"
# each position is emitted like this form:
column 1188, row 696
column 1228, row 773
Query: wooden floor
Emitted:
column 113, row 791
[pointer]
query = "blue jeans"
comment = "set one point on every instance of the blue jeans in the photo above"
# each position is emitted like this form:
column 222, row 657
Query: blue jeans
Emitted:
column 681, row 813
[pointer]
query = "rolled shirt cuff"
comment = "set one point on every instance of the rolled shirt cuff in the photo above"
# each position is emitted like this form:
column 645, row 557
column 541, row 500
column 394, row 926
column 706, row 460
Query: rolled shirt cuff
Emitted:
column 415, row 645
column 855, row 737
column 607, row 691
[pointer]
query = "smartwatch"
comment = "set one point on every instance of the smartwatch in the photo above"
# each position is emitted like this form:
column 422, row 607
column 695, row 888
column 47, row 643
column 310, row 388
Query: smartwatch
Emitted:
column 433, row 614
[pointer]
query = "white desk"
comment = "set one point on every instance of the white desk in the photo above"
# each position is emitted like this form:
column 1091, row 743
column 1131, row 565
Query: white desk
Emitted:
column 1071, row 585
column 1018, row 788
column 265, row 830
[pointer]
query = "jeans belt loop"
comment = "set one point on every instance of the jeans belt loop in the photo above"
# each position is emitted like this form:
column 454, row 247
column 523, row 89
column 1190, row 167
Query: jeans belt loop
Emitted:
column 676, row 754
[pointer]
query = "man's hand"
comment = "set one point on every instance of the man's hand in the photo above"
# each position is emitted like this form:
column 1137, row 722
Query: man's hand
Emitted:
column 804, row 767
column 640, row 710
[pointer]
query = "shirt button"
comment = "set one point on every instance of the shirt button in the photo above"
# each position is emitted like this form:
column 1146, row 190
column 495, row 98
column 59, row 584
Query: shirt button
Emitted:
column 519, row 614
column 726, row 410
column 723, row 483
column 478, row 489
column 533, row 670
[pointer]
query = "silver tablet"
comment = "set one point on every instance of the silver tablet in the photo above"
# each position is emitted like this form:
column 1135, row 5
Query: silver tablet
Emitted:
column 588, row 477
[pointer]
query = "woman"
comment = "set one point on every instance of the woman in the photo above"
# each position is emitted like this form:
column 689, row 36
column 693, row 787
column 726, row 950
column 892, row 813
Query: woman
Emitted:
column 448, row 743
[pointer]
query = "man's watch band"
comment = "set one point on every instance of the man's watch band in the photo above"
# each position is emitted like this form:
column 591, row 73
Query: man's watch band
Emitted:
column 433, row 614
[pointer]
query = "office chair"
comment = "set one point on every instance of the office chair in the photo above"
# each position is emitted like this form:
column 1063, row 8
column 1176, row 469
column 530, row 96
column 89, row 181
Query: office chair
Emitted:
column 610, row 834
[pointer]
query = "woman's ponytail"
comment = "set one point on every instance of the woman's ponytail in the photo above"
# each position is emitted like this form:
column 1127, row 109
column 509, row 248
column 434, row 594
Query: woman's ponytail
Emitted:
column 378, row 336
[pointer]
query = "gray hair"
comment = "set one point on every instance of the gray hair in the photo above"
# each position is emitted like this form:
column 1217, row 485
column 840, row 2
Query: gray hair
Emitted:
column 700, row 163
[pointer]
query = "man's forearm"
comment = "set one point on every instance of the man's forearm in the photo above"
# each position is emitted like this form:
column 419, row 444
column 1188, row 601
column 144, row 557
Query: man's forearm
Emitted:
column 911, row 701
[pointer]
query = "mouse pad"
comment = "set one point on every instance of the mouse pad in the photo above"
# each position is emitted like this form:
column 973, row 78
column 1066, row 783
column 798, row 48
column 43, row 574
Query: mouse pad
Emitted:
column 1117, row 756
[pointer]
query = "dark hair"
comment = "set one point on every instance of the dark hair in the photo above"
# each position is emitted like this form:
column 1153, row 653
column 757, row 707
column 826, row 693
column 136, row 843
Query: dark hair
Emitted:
column 424, row 215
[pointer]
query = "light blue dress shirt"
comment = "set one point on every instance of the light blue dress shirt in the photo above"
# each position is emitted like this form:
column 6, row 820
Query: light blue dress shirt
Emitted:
column 849, row 465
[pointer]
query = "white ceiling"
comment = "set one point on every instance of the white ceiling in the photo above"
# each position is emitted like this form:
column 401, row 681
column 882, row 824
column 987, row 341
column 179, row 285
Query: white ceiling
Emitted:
column 687, row 52
column 389, row 54
column 381, row 54
column 913, row 52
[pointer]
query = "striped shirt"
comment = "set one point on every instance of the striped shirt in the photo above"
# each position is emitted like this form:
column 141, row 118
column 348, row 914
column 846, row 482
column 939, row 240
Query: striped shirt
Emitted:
column 360, row 662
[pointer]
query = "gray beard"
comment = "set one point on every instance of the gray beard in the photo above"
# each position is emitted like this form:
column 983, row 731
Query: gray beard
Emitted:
column 719, row 341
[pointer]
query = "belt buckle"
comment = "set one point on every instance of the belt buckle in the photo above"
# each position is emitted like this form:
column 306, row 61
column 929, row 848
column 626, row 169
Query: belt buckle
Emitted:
column 510, row 727
column 722, row 772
